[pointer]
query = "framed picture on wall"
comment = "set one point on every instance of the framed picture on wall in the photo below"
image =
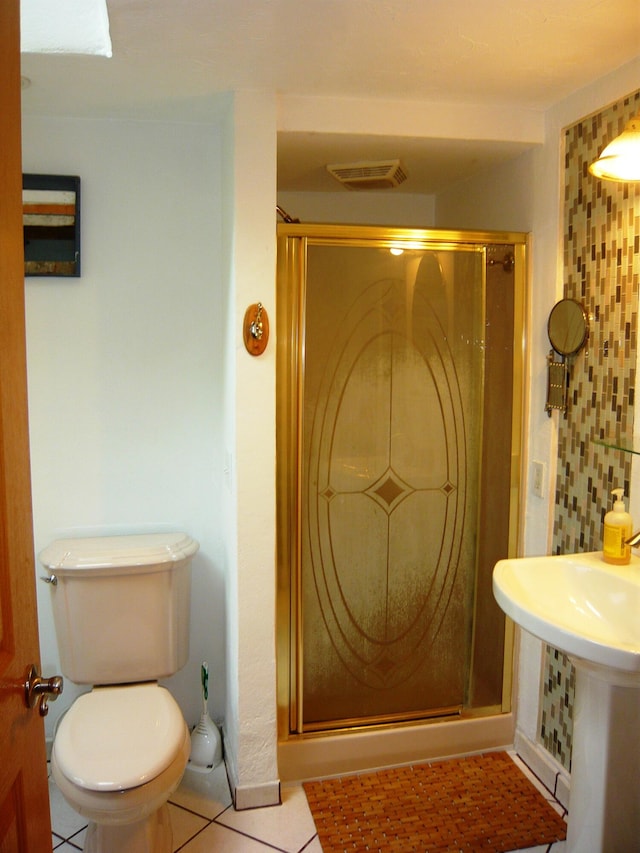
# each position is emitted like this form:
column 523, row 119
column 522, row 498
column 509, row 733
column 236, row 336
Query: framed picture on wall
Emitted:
column 51, row 224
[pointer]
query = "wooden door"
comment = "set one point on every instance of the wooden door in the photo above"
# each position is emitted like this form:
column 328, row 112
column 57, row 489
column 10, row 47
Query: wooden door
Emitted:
column 24, row 802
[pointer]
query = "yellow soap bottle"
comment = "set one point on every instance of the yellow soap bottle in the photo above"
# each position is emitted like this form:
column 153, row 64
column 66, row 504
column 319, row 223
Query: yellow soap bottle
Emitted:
column 618, row 527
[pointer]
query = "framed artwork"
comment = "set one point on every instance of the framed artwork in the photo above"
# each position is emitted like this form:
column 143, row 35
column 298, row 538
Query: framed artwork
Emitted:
column 51, row 224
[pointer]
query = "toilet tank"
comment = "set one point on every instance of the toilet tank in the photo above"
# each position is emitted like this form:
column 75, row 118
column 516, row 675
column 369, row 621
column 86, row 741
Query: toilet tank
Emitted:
column 121, row 605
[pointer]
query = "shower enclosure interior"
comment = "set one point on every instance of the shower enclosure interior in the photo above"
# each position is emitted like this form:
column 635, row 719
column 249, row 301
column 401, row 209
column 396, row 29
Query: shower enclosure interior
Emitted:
column 400, row 372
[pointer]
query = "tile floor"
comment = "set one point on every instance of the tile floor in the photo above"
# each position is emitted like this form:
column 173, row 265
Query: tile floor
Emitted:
column 204, row 820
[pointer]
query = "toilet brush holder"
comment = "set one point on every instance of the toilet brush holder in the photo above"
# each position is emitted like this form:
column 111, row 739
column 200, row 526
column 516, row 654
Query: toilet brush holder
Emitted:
column 206, row 744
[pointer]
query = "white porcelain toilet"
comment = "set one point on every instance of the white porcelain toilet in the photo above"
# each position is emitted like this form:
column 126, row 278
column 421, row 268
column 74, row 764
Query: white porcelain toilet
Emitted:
column 121, row 613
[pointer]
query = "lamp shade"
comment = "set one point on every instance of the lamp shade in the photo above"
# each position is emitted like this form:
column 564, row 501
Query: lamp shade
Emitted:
column 620, row 160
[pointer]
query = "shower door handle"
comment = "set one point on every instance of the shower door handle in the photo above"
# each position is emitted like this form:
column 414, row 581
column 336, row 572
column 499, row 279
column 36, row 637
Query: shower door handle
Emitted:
column 38, row 691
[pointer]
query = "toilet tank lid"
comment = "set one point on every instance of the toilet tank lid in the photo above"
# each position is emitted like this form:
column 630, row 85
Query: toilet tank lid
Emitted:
column 113, row 552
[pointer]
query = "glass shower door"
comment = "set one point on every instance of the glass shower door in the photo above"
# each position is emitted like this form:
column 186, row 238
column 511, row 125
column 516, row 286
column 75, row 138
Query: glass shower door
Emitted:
column 400, row 488
column 391, row 428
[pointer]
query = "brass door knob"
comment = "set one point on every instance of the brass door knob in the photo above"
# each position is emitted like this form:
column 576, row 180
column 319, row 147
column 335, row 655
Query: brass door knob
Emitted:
column 38, row 691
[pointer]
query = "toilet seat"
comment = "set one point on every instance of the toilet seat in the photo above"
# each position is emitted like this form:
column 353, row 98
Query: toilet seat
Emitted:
column 118, row 738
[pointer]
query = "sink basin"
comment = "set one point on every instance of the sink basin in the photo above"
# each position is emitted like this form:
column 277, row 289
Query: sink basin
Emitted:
column 577, row 603
column 590, row 610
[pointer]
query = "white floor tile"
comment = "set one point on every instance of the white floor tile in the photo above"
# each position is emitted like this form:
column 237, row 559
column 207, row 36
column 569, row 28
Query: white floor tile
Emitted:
column 64, row 820
column 542, row 848
column 313, row 846
column 205, row 794
column 289, row 826
column 223, row 840
column 184, row 825
column 78, row 838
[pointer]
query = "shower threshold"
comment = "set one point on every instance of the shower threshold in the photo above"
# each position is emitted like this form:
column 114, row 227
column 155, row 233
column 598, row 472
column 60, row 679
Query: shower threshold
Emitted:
column 455, row 711
column 317, row 755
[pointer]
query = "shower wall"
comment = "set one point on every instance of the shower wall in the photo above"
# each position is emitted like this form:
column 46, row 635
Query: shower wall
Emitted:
column 602, row 271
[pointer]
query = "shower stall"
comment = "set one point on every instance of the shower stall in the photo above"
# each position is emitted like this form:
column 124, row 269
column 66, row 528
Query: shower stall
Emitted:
column 400, row 386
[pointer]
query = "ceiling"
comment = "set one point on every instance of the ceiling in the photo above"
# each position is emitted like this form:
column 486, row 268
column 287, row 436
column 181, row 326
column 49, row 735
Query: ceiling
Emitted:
column 173, row 58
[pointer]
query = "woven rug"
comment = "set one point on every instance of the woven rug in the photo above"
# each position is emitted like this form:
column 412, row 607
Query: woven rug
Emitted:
column 483, row 802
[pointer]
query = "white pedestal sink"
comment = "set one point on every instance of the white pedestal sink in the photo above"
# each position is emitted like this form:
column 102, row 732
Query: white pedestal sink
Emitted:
column 590, row 610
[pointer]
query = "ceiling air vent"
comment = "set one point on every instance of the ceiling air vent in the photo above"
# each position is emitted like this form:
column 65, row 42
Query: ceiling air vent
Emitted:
column 369, row 175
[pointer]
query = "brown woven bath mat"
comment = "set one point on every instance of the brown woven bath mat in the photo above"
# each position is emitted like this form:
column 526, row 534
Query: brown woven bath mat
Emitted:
column 483, row 802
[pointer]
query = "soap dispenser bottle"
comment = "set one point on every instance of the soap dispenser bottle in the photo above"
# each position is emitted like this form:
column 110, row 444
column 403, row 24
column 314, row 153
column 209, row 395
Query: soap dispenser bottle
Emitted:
column 618, row 527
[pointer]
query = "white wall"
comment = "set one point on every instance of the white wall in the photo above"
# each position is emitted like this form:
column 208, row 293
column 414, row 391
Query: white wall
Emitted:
column 402, row 210
column 404, row 118
column 498, row 199
column 249, row 447
column 124, row 362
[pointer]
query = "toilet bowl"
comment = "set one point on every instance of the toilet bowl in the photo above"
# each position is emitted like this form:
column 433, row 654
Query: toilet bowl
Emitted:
column 121, row 613
column 118, row 754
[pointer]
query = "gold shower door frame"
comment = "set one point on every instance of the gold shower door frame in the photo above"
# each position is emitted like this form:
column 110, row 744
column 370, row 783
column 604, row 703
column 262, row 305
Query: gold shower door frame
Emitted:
column 294, row 241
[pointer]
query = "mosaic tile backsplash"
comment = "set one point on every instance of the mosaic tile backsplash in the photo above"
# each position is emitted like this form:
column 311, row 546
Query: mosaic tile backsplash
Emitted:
column 601, row 271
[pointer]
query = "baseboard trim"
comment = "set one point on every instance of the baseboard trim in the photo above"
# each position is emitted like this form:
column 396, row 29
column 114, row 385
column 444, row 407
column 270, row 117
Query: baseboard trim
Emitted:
column 550, row 772
column 255, row 796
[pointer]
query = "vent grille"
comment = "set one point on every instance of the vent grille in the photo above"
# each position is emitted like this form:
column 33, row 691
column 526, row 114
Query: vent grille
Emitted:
column 378, row 175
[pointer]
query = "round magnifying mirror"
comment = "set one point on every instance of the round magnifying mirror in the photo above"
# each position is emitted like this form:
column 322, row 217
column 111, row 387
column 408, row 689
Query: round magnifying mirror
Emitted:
column 568, row 327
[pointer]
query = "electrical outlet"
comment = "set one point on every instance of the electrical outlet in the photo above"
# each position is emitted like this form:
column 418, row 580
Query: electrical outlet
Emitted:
column 538, row 478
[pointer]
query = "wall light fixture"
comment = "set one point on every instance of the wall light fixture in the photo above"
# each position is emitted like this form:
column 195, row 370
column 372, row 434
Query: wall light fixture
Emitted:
column 620, row 160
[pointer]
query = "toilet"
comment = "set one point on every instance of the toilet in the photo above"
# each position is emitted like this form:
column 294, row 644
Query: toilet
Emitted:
column 121, row 614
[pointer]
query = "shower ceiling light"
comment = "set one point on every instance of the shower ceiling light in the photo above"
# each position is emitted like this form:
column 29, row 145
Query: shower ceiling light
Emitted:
column 620, row 160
